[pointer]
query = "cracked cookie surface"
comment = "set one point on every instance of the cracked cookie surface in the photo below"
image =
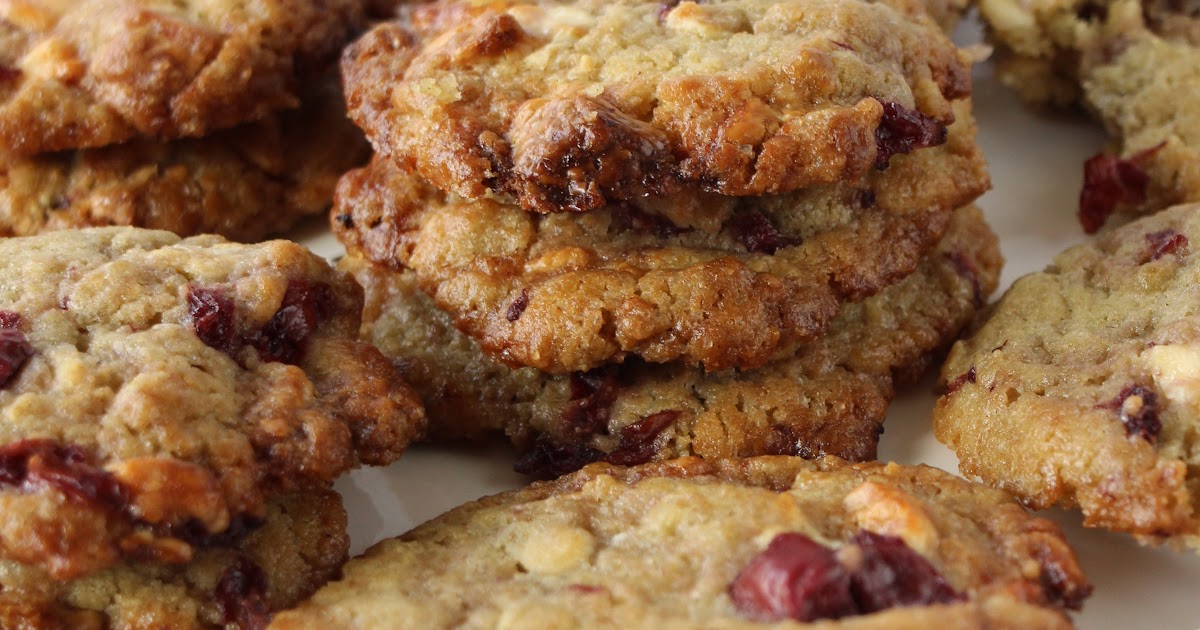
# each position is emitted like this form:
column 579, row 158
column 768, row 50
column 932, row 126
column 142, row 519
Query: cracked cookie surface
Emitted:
column 157, row 391
column 662, row 546
column 830, row 397
column 571, row 106
column 1080, row 387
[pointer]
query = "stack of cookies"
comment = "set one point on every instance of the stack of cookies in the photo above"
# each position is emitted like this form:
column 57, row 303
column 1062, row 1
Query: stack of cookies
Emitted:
column 628, row 231
column 193, row 117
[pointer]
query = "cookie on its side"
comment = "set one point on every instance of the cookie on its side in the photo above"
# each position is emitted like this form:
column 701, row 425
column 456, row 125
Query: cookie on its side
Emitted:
column 296, row 547
column 704, row 280
column 1082, row 385
column 829, row 398
column 571, row 106
column 90, row 73
column 724, row 544
column 245, row 183
column 156, row 391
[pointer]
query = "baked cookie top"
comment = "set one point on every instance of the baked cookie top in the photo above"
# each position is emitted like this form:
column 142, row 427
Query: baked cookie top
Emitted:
column 702, row 279
column 244, row 183
column 725, row 544
column 87, row 73
column 155, row 391
column 232, row 581
column 573, row 105
column 830, row 397
column 1080, row 388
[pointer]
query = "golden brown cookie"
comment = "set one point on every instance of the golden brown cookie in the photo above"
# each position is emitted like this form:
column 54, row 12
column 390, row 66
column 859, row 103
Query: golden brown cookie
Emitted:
column 1081, row 387
column 158, row 391
column 88, row 73
column 571, row 106
column 830, row 397
column 719, row 281
column 732, row 544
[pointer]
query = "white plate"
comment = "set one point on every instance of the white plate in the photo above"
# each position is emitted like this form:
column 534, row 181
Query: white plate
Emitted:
column 1036, row 164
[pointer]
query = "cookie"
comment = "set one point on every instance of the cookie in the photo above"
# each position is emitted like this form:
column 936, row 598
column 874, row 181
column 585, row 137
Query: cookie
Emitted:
column 299, row 545
column 1127, row 62
column 245, row 183
column 91, row 73
column 728, row 544
column 1080, row 388
column 571, row 106
column 155, row 391
column 831, row 397
column 719, row 281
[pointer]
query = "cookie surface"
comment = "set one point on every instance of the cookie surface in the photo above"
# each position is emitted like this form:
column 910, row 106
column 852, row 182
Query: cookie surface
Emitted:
column 830, row 398
column 1081, row 387
column 299, row 545
column 91, row 73
column 154, row 390
column 570, row 106
column 1127, row 62
column 661, row 546
column 245, row 183
column 719, row 281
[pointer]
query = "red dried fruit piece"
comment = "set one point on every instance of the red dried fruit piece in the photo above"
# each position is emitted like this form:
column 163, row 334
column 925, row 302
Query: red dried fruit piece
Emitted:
column 241, row 595
column 518, row 306
column 285, row 336
column 892, row 574
column 214, row 318
column 796, row 578
column 1138, row 409
column 637, row 439
column 41, row 462
column 1109, row 181
column 15, row 350
column 903, row 130
column 1165, row 242
column 1060, row 587
column 9, row 319
column 757, row 234
column 546, row 459
column 631, row 218
column 592, row 396
column 960, row 380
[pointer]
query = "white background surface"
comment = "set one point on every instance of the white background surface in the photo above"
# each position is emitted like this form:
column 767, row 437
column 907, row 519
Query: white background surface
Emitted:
column 1036, row 165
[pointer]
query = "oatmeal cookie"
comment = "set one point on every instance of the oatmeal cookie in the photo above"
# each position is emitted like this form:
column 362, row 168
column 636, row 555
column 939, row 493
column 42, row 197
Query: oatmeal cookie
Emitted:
column 572, row 105
column 245, row 183
column 155, row 391
column 831, row 397
column 1128, row 62
column 719, row 544
column 719, row 281
column 1081, row 387
column 299, row 545
column 88, row 73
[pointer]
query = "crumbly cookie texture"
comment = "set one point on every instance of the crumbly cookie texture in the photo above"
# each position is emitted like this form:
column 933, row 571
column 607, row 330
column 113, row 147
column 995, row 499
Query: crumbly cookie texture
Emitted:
column 88, row 73
column 1127, row 62
column 245, row 183
column 298, row 546
column 155, row 392
column 658, row 546
column 570, row 106
column 719, row 281
column 831, row 397
column 1080, row 388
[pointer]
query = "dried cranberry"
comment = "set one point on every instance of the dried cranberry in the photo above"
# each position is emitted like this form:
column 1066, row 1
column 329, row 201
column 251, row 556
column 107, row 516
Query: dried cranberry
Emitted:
column 285, row 336
column 1109, row 181
column 9, row 319
column 665, row 7
column 518, row 306
column 903, row 130
column 65, row 468
column 1141, row 417
column 196, row 534
column 9, row 74
column 592, row 396
column 637, row 439
column 796, row 578
column 214, row 317
column 782, row 441
column 757, row 234
column 964, row 267
column 546, row 459
column 1060, row 587
column 1165, row 242
column 966, row 377
column 241, row 595
column 15, row 350
column 892, row 574
column 631, row 218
